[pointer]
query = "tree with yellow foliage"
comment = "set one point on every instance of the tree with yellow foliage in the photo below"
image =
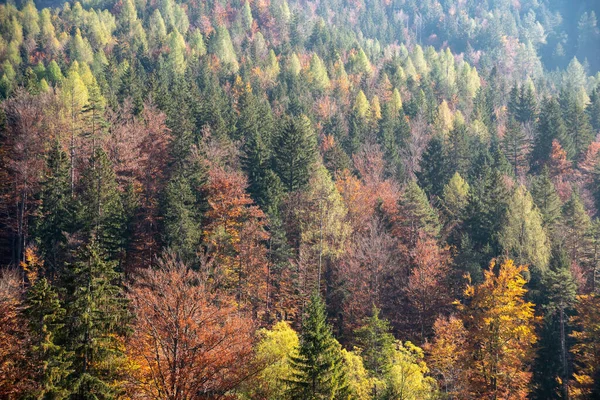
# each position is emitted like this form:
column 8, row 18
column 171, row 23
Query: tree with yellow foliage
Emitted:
column 586, row 384
column 486, row 351
column 500, row 326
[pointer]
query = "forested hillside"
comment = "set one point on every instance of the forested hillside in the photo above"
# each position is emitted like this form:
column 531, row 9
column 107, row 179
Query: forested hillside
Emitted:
column 273, row 199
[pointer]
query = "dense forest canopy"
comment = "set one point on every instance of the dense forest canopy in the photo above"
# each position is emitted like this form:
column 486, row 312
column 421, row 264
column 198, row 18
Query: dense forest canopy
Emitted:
column 280, row 199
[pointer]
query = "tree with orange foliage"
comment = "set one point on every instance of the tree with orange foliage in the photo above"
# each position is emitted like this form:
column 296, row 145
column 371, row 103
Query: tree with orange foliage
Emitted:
column 14, row 339
column 558, row 164
column 500, row 326
column 586, row 384
column 138, row 148
column 188, row 341
column 365, row 271
column 447, row 355
column 22, row 144
column 234, row 232
column 427, row 288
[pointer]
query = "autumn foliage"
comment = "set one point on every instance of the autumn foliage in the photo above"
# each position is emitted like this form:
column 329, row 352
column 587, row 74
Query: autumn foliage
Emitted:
column 187, row 343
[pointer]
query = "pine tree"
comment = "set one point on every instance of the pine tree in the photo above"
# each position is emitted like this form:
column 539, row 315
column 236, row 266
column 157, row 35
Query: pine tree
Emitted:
column 318, row 368
column 46, row 321
column 246, row 16
column 458, row 148
column 486, row 209
column 264, row 185
column 434, row 171
column 295, row 151
column 561, row 292
column 96, row 320
column 419, row 215
column 514, row 103
column 522, row 236
column 515, row 146
column 456, row 197
column 377, row 344
column 550, row 127
column 101, row 213
column 57, row 209
column 593, row 110
column 93, row 115
column 576, row 229
column 182, row 212
column 547, row 201
column 578, row 127
column 222, row 47
column 527, row 104
column 318, row 73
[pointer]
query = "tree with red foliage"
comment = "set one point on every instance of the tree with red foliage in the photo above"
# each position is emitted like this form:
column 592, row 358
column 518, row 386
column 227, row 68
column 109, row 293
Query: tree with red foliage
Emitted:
column 366, row 271
column 15, row 373
column 188, row 342
column 427, row 288
column 22, row 152
column 139, row 150
column 558, row 164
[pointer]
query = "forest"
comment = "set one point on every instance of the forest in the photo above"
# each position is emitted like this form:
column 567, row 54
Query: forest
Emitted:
column 300, row 199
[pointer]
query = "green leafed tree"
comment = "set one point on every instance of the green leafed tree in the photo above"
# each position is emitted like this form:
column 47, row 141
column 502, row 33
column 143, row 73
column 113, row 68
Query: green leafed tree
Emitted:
column 516, row 146
column 96, row 321
column 377, row 345
column 550, row 127
column 547, row 201
column 222, row 47
column 294, row 153
column 522, row 236
column 317, row 73
column 101, row 213
column 57, row 210
column 46, row 322
column 318, row 369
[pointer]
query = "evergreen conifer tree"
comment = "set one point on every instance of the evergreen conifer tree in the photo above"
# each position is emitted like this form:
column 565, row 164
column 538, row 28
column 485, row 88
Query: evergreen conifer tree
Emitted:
column 547, row 201
column 319, row 371
column 294, row 153
column 46, row 321
column 377, row 344
column 96, row 319
column 593, row 110
column 515, row 146
column 551, row 126
column 57, row 210
column 578, row 127
column 101, row 213
column 434, row 171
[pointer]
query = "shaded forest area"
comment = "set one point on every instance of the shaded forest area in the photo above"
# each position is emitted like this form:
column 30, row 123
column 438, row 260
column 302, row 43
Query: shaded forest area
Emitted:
column 277, row 199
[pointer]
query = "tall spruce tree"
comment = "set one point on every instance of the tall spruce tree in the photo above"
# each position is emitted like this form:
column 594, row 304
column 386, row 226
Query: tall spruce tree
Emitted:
column 578, row 127
column 46, row 322
column 550, row 126
column 593, row 110
column 182, row 208
column 318, row 370
column 96, row 319
column 295, row 152
column 486, row 209
column 547, row 201
column 522, row 236
column 420, row 216
column 527, row 104
column 562, row 293
column 101, row 213
column 57, row 210
column 377, row 346
column 515, row 146
column 435, row 171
